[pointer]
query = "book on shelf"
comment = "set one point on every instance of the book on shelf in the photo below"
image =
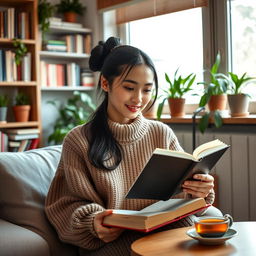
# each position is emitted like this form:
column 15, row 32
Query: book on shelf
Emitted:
column 3, row 142
column 156, row 215
column 23, row 136
column 22, row 131
column 14, row 23
column 166, row 170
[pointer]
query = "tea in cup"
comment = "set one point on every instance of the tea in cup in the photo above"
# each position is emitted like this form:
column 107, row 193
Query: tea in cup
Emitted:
column 213, row 226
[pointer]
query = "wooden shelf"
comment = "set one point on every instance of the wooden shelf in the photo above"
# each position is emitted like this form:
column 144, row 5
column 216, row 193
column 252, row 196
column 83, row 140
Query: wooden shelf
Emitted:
column 19, row 124
column 10, row 41
column 64, row 55
column 18, row 83
column 187, row 119
column 66, row 88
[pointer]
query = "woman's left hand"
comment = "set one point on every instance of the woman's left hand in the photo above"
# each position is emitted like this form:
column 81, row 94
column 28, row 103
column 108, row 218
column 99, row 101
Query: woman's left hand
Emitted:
column 201, row 186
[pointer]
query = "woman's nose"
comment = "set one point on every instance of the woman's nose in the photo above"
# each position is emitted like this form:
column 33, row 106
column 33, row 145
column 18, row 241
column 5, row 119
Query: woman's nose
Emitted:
column 137, row 97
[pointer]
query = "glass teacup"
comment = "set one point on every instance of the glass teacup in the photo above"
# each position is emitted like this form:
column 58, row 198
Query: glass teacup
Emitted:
column 213, row 226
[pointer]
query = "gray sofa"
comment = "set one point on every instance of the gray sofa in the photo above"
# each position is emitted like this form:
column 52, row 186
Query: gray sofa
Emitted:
column 24, row 181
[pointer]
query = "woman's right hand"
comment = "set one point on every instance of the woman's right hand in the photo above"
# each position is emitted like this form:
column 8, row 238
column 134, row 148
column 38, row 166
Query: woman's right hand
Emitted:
column 106, row 234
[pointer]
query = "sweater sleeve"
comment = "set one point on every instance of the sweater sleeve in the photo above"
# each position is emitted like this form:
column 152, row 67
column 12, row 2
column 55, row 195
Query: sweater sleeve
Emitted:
column 72, row 200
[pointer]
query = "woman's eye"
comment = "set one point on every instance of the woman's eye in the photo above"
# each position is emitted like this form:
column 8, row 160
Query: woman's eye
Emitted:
column 148, row 90
column 128, row 88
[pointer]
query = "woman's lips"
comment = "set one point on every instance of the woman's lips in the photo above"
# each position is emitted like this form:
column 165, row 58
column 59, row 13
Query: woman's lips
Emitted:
column 133, row 108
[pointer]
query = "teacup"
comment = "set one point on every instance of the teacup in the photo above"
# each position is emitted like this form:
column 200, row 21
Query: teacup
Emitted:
column 213, row 226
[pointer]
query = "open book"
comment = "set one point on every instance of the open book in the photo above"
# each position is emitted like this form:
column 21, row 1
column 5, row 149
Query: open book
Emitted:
column 166, row 170
column 156, row 215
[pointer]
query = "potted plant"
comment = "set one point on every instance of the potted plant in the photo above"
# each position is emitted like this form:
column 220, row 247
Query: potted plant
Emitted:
column 70, row 9
column 238, row 101
column 4, row 100
column 75, row 112
column 20, row 50
column 21, row 108
column 214, row 96
column 45, row 11
column 175, row 94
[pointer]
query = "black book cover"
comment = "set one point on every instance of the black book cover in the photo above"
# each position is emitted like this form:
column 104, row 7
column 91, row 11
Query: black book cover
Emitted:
column 163, row 175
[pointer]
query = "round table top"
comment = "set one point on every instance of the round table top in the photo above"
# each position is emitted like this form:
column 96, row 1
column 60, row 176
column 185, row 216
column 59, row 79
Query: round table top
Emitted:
column 177, row 242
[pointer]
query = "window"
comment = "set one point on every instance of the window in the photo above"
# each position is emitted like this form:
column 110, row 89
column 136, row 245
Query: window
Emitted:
column 173, row 41
column 242, row 39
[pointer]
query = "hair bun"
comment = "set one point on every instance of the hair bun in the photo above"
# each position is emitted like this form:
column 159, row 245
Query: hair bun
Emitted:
column 101, row 51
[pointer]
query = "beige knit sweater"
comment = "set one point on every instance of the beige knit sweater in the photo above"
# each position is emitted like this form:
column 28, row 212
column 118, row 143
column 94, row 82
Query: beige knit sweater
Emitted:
column 79, row 190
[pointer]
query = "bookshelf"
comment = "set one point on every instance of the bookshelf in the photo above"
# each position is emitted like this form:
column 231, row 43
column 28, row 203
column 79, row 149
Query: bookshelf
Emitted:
column 19, row 20
column 76, row 53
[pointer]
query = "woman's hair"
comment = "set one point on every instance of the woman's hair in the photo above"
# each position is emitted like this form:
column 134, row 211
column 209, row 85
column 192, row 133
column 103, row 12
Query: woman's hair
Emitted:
column 112, row 59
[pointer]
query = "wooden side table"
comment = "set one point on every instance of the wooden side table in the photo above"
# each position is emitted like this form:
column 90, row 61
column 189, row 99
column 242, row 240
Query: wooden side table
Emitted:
column 176, row 242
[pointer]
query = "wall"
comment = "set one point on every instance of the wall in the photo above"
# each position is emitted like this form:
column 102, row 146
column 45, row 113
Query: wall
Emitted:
column 236, row 170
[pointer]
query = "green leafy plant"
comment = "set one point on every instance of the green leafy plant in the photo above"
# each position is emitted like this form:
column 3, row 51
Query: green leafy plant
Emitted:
column 70, row 6
column 4, row 100
column 21, row 99
column 177, row 88
column 45, row 11
column 218, row 85
column 238, row 83
column 75, row 112
column 20, row 50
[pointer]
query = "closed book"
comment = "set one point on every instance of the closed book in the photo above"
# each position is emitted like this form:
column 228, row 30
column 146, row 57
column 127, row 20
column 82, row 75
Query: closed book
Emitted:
column 166, row 170
column 156, row 215
column 23, row 136
column 22, row 131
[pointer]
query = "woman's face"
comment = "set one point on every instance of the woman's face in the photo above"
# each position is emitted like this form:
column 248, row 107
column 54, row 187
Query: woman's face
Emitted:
column 128, row 96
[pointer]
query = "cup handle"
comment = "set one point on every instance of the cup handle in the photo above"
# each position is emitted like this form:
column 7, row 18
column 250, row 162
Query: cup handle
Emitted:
column 227, row 216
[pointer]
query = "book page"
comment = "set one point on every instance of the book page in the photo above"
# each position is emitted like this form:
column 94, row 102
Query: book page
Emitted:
column 208, row 148
column 179, row 154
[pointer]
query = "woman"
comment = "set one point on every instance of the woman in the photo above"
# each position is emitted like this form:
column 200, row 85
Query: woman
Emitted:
column 101, row 159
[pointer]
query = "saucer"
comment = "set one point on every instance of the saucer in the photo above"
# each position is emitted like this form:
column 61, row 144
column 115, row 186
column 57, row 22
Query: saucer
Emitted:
column 211, row 240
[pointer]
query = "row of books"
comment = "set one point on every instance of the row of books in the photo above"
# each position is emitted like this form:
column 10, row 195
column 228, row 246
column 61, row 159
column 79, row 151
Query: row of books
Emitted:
column 58, row 75
column 9, row 71
column 18, row 140
column 58, row 22
column 71, row 43
column 14, row 23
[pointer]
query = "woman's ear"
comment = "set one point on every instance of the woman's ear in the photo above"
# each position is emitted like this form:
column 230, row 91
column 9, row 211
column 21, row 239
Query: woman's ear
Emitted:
column 104, row 84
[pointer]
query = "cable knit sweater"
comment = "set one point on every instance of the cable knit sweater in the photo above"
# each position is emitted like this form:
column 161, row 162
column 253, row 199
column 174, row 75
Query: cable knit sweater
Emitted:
column 79, row 190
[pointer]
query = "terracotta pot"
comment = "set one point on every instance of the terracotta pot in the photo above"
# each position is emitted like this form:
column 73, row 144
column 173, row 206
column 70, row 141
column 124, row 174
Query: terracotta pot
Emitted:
column 21, row 113
column 3, row 114
column 217, row 102
column 70, row 16
column 150, row 111
column 177, row 106
column 238, row 105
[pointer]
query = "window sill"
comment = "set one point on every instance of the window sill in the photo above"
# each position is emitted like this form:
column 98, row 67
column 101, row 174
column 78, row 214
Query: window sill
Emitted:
column 187, row 119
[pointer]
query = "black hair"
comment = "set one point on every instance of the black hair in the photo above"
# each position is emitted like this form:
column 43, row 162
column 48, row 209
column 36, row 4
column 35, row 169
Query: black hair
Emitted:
column 112, row 59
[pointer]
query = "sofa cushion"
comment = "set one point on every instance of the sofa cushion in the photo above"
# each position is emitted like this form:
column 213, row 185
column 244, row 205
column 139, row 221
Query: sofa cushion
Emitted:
column 26, row 241
column 24, row 182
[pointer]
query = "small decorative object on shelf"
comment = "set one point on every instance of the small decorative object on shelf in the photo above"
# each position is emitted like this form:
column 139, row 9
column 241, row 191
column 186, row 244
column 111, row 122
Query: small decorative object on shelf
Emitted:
column 70, row 9
column 87, row 78
column 4, row 100
column 21, row 108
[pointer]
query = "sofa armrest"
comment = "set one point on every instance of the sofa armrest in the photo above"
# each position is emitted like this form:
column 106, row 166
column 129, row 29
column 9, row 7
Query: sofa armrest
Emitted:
column 16, row 240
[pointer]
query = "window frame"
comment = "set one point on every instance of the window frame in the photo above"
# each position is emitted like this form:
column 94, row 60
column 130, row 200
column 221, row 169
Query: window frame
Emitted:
column 213, row 18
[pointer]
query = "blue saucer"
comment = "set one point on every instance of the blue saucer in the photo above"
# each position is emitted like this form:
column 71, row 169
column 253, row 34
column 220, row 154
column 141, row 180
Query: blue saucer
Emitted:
column 211, row 240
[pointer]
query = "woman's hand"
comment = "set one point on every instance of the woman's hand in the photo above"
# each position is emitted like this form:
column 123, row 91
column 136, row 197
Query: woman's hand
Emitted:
column 104, row 233
column 200, row 187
